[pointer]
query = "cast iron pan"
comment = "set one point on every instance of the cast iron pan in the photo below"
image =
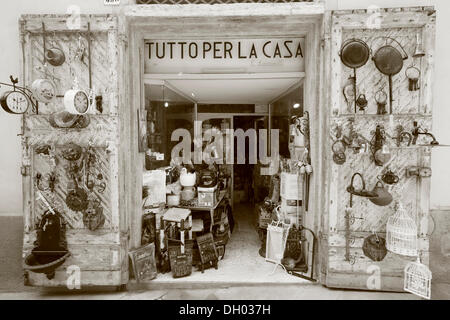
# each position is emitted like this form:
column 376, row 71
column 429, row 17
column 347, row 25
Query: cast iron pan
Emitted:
column 354, row 54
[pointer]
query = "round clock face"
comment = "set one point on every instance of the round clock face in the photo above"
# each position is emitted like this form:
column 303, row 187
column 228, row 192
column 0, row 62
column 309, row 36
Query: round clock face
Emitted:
column 81, row 102
column 47, row 90
column 17, row 102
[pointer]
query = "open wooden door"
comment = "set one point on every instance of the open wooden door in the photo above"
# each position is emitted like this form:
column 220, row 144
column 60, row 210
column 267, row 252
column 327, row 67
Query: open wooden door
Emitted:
column 343, row 262
column 96, row 236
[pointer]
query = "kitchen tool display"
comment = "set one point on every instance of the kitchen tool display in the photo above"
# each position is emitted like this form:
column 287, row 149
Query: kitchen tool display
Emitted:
column 44, row 90
column 389, row 61
column 413, row 75
column 381, row 99
column 354, row 54
column 374, row 247
column 383, row 198
column 338, row 149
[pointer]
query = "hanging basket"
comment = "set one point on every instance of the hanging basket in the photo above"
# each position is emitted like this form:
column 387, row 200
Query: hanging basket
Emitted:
column 418, row 279
column 374, row 247
column 401, row 234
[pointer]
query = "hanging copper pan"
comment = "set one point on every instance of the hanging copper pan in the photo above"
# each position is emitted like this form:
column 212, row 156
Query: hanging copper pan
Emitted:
column 389, row 61
column 354, row 54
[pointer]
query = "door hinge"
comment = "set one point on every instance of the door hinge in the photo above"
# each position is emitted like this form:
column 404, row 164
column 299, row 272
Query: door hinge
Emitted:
column 25, row 170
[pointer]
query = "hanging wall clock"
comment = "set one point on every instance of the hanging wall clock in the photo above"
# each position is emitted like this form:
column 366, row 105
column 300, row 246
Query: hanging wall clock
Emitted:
column 76, row 101
column 14, row 102
column 44, row 90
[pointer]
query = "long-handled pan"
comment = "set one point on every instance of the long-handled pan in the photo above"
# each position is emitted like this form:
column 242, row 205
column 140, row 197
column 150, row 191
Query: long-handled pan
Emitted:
column 389, row 61
column 354, row 54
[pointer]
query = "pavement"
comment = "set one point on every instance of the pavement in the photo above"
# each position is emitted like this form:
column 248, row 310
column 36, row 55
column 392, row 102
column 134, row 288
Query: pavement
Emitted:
column 12, row 288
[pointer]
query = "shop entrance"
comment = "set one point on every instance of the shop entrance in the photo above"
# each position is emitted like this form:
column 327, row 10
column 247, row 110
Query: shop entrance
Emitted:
column 172, row 105
column 223, row 74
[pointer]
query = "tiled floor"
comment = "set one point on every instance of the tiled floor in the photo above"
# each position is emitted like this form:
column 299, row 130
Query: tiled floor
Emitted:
column 242, row 262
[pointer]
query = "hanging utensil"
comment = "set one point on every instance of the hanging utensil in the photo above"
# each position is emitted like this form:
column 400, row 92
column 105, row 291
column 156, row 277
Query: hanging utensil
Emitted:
column 362, row 102
column 381, row 99
column 338, row 154
column 354, row 54
column 389, row 61
column 413, row 75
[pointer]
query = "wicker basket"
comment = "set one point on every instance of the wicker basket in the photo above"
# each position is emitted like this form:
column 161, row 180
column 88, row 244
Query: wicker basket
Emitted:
column 180, row 263
column 401, row 233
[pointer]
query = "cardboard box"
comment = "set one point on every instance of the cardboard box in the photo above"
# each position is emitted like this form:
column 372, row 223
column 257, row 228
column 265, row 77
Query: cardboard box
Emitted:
column 208, row 197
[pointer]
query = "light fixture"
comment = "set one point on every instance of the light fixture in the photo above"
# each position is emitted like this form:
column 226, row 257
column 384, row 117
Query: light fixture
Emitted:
column 166, row 104
column 296, row 106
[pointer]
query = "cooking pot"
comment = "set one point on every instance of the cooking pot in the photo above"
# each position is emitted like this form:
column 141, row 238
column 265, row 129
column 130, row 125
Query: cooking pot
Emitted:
column 374, row 247
column 383, row 198
column 55, row 56
column 354, row 54
column 187, row 179
column 389, row 61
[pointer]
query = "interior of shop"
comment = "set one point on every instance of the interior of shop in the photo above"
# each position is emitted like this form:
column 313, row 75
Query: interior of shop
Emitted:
column 239, row 189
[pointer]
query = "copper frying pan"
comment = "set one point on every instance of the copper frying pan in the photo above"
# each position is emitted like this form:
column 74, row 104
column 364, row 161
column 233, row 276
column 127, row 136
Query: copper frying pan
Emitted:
column 354, row 54
column 389, row 61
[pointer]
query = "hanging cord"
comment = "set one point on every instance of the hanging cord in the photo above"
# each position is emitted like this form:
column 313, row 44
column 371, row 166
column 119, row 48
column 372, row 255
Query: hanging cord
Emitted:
column 44, row 43
column 89, row 53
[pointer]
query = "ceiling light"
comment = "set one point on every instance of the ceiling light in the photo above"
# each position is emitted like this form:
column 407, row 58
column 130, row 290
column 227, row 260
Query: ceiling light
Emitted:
column 166, row 104
column 296, row 106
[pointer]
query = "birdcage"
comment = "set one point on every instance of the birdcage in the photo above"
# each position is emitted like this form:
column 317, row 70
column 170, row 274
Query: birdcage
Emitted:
column 401, row 233
column 418, row 279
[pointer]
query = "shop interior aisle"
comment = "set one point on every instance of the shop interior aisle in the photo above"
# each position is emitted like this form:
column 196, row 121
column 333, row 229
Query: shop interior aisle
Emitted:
column 242, row 263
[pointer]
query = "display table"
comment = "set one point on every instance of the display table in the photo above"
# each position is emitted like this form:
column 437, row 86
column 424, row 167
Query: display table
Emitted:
column 210, row 209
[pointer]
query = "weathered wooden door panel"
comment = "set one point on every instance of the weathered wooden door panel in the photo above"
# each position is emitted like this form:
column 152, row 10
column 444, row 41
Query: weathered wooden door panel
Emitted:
column 100, row 254
column 344, row 263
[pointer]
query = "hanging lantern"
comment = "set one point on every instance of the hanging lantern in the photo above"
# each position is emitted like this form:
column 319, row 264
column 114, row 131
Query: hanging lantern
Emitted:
column 401, row 233
column 418, row 279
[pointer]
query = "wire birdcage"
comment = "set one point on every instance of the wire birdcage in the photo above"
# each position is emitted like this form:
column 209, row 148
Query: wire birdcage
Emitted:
column 401, row 233
column 418, row 279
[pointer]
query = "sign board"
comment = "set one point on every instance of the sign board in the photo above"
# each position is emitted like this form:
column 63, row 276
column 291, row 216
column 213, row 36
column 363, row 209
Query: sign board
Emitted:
column 225, row 55
column 111, row 2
